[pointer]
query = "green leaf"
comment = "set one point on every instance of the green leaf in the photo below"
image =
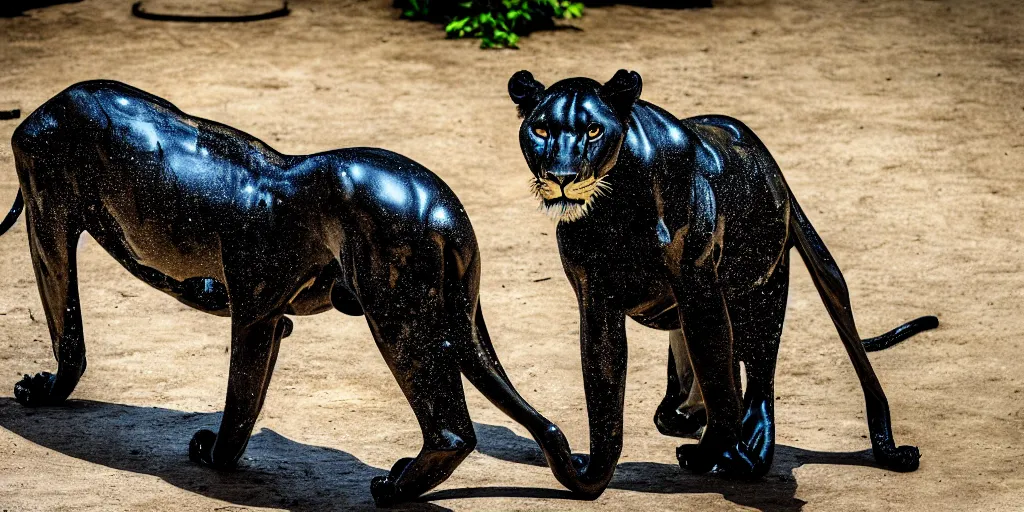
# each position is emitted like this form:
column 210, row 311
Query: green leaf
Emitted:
column 456, row 25
column 497, row 25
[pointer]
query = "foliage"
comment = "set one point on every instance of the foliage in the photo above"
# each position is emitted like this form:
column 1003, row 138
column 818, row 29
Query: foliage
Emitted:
column 498, row 24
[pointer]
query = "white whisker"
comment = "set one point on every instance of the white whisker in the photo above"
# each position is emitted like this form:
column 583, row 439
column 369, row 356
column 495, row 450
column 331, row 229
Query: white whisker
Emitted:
column 564, row 211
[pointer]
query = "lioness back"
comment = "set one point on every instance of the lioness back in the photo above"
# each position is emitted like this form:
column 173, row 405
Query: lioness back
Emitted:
column 167, row 187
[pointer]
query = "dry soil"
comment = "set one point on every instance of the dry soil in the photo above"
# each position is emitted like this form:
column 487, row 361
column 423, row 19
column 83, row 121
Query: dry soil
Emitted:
column 897, row 124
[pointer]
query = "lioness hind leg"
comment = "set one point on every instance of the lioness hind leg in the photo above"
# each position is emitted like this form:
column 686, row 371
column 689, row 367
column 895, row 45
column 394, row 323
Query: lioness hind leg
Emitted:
column 681, row 413
column 426, row 368
column 52, row 243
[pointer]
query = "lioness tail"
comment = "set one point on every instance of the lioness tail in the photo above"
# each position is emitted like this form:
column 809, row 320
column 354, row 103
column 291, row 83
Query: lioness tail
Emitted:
column 830, row 284
column 12, row 217
column 483, row 370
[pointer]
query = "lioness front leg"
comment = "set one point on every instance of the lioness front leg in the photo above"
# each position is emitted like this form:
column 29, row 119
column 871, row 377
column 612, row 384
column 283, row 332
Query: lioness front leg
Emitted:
column 604, row 355
column 254, row 346
column 52, row 240
column 757, row 317
column 705, row 320
column 681, row 412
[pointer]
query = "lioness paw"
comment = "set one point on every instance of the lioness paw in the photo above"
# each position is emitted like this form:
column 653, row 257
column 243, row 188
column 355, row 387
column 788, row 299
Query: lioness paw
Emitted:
column 200, row 448
column 34, row 391
column 384, row 489
column 692, row 458
column 903, row 459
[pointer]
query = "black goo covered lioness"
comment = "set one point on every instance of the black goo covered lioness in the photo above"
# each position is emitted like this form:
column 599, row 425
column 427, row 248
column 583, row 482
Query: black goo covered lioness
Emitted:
column 226, row 224
column 683, row 225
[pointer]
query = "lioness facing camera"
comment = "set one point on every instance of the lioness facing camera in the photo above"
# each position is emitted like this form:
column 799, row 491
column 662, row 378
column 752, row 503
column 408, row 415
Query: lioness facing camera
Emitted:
column 683, row 225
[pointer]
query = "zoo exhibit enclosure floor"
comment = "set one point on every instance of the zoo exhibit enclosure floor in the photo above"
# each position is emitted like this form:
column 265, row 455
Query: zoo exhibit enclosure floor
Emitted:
column 897, row 125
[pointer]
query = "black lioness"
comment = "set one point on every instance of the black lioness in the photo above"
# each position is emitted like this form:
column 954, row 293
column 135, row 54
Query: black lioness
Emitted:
column 682, row 225
column 224, row 223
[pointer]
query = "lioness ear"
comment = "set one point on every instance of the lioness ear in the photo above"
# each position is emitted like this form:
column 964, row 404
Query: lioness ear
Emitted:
column 622, row 91
column 523, row 90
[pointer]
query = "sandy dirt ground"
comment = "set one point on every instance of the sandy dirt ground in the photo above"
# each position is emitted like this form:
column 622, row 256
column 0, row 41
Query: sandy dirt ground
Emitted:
column 898, row 125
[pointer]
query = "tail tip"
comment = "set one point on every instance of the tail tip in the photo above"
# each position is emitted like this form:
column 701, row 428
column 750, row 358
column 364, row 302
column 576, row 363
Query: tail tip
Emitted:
column 928, row 322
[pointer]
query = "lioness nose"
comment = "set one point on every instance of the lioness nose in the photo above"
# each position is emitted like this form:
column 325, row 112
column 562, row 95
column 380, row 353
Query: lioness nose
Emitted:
column 561, row 177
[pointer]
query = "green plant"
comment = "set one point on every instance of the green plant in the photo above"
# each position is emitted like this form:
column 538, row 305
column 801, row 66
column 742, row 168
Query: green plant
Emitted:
column 497, row 24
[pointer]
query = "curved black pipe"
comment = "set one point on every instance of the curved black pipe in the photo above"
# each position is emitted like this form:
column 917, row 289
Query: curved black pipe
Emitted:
column 139, row 13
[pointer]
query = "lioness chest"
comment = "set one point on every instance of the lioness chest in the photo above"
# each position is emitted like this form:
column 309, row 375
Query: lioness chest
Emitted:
column 649, row 242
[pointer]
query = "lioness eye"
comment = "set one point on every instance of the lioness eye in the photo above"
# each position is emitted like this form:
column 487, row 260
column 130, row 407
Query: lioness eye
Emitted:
column 594, row 131
column 541, row 132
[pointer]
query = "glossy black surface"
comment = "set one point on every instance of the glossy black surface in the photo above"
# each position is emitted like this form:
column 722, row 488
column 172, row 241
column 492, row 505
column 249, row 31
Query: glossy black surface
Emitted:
column 683, row 225
column 224, row 223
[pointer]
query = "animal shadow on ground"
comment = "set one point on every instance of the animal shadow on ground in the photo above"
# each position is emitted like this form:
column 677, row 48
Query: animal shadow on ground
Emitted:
column 774, row 492
column 275, row 472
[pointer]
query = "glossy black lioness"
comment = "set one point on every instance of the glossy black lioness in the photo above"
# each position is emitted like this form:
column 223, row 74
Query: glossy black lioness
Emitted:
column 226, row 224
column 682, row 225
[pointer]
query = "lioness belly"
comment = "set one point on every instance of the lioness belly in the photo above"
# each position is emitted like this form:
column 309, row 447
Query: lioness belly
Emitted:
column 171, row 249
column 662, row 314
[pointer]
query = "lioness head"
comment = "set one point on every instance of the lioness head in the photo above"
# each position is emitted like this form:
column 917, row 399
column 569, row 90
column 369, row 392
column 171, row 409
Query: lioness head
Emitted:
column 571, row 135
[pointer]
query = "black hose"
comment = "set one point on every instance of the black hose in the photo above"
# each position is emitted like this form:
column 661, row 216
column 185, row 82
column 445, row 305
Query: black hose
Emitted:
column 139, row 13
